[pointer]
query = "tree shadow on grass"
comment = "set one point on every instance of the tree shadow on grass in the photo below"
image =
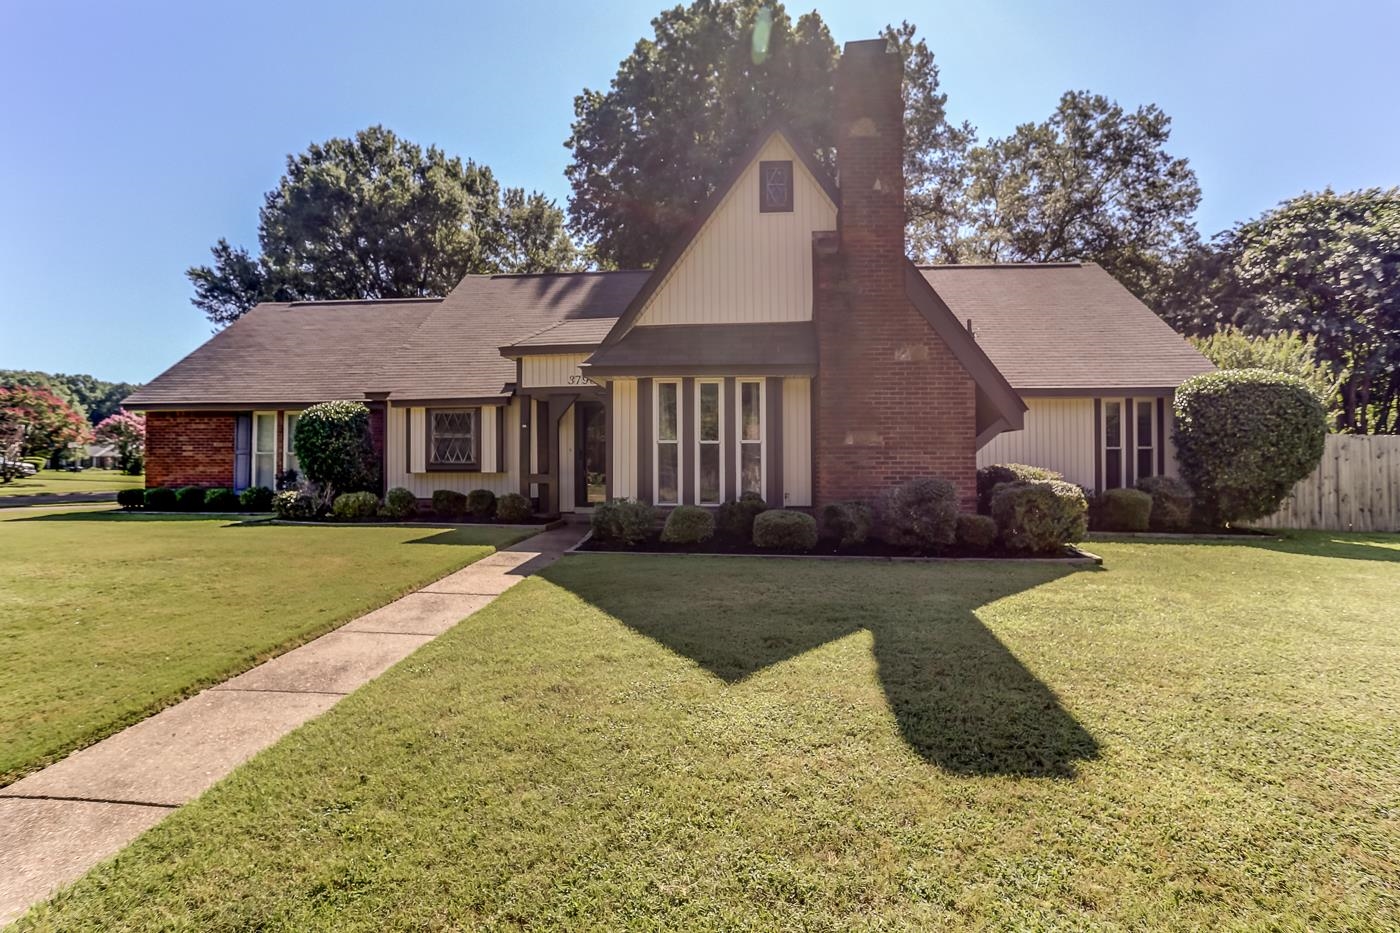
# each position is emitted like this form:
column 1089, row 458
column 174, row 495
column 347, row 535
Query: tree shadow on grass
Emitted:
column 1373, row 546
column 122, row 516
column 961, row 699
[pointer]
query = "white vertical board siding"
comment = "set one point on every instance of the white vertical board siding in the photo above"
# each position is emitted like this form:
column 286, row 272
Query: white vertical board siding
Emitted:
column 745, row 266
column 623, row 437
column 566, row 460
column 407, row 467
column 552, row 369
column 1058, row 435
column 797, row 442
column 489, row 434
column 418, row 430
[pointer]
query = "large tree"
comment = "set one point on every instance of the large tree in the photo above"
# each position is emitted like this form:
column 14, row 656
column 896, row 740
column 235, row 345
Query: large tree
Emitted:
column 377, row 216
column 50, row 423
column 91, row 397
column 1092, row 182
column 648, row 151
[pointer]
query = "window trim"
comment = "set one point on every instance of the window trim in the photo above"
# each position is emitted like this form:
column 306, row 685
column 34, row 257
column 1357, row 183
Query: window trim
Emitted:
column 1151, row 436
column 288, row 454
column 1105, row 450
column 656, row 441
column 762, row 441
column 431, row 466
column 787, row 206
column 718, row 442
column 254, row 452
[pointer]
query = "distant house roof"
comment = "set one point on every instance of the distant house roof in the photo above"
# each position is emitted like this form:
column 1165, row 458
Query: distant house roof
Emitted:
column 1058, row 327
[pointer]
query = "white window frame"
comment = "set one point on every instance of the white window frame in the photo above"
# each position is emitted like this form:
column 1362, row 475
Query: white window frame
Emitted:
column 740, row 443
column 718, row 442
column 288, row 454
column 255, row 449
column 656, row 440
column 1151, row 445
column 1120, row 450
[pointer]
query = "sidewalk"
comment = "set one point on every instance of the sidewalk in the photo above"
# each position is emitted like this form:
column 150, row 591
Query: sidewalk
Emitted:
column 57, row 498
column 59, row 822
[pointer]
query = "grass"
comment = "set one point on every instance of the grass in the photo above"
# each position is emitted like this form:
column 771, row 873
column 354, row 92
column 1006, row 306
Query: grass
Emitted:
column 57, row 482
column 1196, row 736
column 105, row 617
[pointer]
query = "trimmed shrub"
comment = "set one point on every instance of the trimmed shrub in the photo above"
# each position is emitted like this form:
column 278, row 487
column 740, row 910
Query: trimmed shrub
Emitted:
column 256, row 499
column 850, row 522
column 976, row 532
column 400, row 503
column 1244, row 437
column 785, row 530
column 1171, row 503
column 160, row 499
column 294, row 504
column 481, row 503
column 688, row 524
column 332, row 444
column 1039, row 516
column 355, row 506
column 513, row 508
column 131, row 498
column 220, row 500
column 623, row 521
column 189, row 498
column 922, row 514
column 1125, row 510
column 990, row 477
column 735, row 518
column 449, row 503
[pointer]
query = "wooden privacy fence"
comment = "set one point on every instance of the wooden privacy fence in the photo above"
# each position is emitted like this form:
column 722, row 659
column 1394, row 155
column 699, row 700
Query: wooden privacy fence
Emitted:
column 1356, row 487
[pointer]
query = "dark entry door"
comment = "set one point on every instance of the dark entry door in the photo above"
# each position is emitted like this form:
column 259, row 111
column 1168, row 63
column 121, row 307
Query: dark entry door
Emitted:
column 591, row 454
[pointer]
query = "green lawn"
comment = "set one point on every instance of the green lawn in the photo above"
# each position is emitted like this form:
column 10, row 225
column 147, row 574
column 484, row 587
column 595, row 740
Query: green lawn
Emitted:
column 1192, row 737
column 57, row 482
column 106, row 617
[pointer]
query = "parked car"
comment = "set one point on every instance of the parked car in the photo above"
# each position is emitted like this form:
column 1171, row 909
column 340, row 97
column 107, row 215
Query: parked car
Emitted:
column 19, row 466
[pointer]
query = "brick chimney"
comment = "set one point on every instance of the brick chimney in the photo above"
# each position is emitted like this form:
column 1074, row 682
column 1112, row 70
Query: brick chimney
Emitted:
column 892, row 402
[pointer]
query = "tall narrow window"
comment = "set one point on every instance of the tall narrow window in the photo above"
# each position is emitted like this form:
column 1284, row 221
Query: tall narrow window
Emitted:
column 452, row 438
column 265, row 449
column 1145, row 438
column 709, row 453
column 289, row 433
column 668, row 443
column 1112, row 444
column 751, row 437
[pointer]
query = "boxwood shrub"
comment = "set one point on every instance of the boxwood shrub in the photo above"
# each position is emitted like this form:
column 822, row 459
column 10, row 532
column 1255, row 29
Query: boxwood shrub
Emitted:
column 1125, row 510
column 189, row 498
column 849, row 522
column 160, row 499
column 688, row 524
column 623, row 521
column 513, row 508
column 976, row 533
column 990, row 477
column 294, row 504
column 256, row 499
column 355, row 506
column 735, row 518
column 921, row 514
column 785, row 530
column 1171, row 503
column 220, row 500
column 131, row 498
column 400, row 503
column 481, row 503
column 449, row 503
column 1039, row 516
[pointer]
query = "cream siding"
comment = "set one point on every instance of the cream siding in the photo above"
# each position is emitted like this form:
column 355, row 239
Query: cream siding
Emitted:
column 797, row 442
column 745, row 266
column 553, row 370
column 1058, row 434
column 404, row 462
column 622, row 431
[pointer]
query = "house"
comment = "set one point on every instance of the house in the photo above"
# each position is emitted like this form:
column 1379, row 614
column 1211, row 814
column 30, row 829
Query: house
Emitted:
column 784, row 345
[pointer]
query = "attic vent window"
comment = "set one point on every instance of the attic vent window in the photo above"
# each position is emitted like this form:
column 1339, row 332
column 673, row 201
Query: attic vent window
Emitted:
column 775, row 187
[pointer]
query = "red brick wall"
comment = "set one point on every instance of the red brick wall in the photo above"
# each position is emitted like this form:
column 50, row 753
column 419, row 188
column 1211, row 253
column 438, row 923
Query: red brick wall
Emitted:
column 186, row 448
column 892, row 401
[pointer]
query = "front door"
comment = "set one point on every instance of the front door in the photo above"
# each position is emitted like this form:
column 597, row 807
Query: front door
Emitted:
column 591, row 454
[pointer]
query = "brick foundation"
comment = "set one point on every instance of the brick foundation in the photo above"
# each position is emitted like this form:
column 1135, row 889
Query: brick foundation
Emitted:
column 186, row 448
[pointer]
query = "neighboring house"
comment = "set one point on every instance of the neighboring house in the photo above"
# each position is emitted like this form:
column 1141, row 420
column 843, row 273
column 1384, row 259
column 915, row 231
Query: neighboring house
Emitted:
column 784, row 345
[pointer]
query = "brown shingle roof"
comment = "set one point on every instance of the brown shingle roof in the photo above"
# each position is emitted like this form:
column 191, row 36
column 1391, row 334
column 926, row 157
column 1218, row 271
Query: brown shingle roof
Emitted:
column 1065, row 326
column 683, row 349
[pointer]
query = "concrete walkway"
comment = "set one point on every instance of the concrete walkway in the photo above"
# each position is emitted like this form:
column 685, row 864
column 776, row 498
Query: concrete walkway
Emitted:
column 59, row 822
column 57, row 498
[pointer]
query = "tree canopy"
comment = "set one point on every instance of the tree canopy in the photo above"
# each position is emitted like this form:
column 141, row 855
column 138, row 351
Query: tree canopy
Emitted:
column 50, row 423
column 377, row 216
column 93, row 398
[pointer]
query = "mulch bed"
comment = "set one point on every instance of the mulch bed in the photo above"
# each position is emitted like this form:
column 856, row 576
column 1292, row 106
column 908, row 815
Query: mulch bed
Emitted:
column 826, row 547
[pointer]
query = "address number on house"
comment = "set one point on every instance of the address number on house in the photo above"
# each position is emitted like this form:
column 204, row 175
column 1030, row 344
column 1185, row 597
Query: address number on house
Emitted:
column 581, row 380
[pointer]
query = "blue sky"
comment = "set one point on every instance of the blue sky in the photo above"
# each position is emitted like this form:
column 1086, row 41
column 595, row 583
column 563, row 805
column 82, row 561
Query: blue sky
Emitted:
column 137, row 133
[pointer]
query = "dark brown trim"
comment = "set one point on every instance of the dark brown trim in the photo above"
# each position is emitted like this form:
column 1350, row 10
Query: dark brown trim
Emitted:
column 786, row 206
column 476, row 402
column 1098, row 445
column 718, row 369
column 1161, row 436
column 1129, row 442
column 525, row 466
column 645, row 444
column 608, row 459
column 547, row 349
column 407, row 439
column 1100, row 391
column 729, row 439
column 501, row 439
column 233, row 408
column 773, row 429
column 687, row 451
column 428, row 465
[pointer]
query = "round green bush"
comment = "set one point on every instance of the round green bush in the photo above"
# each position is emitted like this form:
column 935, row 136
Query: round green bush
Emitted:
column 481, row 503
column 735, row 518
column 849, row 522
column 220, row 500
column 513, row 508
column 921, row 514
column 785, row 530
column 333, row 446
column 294, row 504
column 1040, row 516
column 623, row 521
column 976, row 533
column 449, row 503
column 160, row 499
column 688, row 524
column 1171, row 503
column 1125, row 510
column 990, row 477
column 355, row 506
column 131, row 498
column 189, row 498
column 400, row 503
column 256, row 499
column 1244, row 437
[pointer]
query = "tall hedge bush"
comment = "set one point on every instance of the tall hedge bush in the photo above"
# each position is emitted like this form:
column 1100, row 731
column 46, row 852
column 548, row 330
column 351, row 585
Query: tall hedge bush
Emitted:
column 1244, row 437
column 333, row 446
column 922, row 513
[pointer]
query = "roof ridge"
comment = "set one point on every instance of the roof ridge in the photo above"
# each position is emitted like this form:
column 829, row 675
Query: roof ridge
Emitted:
column 359, row 301
column 541, row 275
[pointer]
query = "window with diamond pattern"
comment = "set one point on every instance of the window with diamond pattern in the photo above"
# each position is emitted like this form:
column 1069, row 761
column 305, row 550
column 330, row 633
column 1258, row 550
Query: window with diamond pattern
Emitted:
column 452, row 437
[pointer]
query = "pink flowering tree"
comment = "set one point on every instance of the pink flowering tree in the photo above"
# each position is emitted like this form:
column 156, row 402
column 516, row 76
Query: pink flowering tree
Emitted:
column 50, row 424
column 126, row 431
